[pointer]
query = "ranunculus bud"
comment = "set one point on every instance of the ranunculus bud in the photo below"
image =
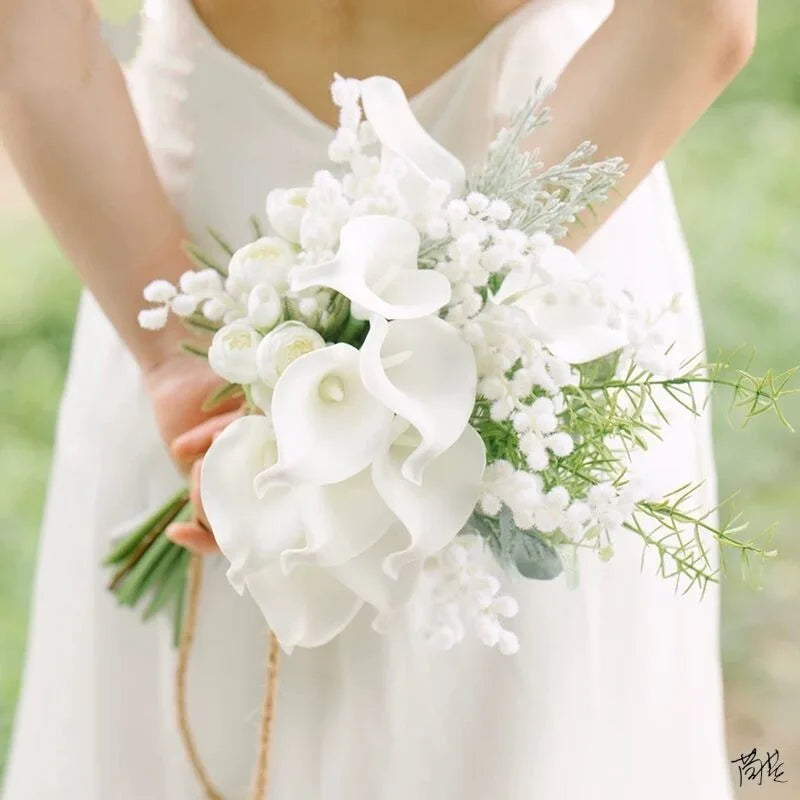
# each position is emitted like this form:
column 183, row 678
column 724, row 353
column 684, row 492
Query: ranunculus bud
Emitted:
column 267, row 260
column 264, row 307
column 232, row 354
column 281, row 346
column 285, row 209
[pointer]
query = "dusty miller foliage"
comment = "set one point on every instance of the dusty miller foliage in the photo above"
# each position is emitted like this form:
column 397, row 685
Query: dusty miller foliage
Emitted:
column 543, row 199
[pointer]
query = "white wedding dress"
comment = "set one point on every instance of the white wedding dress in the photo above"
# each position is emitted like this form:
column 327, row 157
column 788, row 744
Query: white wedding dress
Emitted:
column 616, row 693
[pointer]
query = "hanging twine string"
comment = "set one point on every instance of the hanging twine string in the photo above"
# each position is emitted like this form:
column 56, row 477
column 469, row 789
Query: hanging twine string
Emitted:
column 261, row 777
column 195, row 582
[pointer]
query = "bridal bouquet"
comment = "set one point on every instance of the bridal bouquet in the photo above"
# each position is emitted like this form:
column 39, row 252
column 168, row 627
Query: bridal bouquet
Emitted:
column 436, row 393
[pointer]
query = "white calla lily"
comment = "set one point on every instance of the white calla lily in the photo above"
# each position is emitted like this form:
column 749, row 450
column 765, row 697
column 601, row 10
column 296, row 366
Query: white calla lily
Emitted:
column 436, row 511
column 425, row 372
column 544, row 266
column 341, row 520
column 305, row 609
column 376, row 268
column 573, row 324
column 367, row 576
column 387, row 109
column 327, row 425
column 250, row 531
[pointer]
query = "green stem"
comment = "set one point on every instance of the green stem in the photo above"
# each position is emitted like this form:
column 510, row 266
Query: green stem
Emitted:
column 126, row 545
column 353, row 331
column 150, row 535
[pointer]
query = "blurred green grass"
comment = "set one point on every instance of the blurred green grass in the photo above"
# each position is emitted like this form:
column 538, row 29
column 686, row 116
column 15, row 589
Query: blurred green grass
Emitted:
column 737, row 182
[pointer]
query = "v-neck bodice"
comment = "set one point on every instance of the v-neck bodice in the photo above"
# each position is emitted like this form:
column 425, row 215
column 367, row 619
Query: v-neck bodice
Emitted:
column 222, row 132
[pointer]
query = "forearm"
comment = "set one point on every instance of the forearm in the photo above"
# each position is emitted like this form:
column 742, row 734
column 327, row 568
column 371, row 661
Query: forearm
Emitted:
column 70, row 129
column 642, row 80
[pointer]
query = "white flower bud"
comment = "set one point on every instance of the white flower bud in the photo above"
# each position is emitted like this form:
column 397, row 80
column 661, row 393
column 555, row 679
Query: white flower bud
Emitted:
column 203, row 284
column 505, row 605
column 285, row 209
column 214, row 309
column 499, row 210
column 487, row 629
column 184, row 305
column 267, row 260
column 560, row 444
column 345, row 91
column 490, row 504
column 477, row 202
column 508, row 643
column 264, row 307
column 282, row 345
column 232, row 354
column 159, row 291
column 153, row 319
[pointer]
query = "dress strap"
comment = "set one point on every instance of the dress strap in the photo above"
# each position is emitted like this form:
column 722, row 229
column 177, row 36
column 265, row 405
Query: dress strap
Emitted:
column 542, row 45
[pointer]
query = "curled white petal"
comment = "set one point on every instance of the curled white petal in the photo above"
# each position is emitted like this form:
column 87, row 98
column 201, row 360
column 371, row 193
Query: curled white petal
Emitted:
column 328, row 426
column 341, row 520
column 425, row 372
column 434, row 512
column 397, row 129
column 367, row 577
column 376, row 268
column 250, row 532
column 308, row 608
column 573, row 326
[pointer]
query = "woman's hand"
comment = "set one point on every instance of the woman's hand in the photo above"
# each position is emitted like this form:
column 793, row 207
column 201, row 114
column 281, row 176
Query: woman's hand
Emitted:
column 178, row 387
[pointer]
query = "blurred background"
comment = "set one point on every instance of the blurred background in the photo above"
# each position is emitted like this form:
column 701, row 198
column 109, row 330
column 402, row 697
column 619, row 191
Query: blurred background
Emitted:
column 737, row 180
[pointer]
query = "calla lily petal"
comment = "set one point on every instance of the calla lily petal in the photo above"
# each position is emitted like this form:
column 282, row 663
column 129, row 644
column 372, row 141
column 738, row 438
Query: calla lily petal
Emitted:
column 437, row 510
column 552, row 264
column 327, row 425
column 342, row 520
column 397, row 129
column 376, row 268
column 249, row 531
column 425, row 372
column 573, row 326
column 367, row 578
column 307, row 608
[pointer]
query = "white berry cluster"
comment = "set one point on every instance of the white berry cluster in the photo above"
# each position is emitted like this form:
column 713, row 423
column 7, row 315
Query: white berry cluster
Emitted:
column 464, row 595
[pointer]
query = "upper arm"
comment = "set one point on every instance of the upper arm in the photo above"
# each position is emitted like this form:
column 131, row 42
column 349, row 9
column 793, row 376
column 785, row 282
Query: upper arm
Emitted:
column 721, row 31
column 47, row 43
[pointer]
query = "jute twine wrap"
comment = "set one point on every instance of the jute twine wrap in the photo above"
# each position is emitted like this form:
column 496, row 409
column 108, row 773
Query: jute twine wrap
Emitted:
column 261, row 776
